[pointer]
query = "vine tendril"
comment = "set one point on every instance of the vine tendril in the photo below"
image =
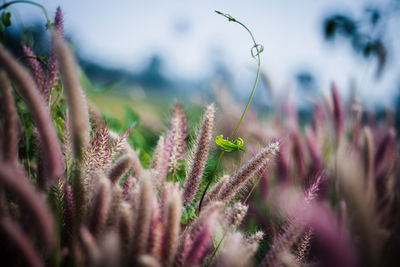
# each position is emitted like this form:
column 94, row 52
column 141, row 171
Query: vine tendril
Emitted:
column 256, row 50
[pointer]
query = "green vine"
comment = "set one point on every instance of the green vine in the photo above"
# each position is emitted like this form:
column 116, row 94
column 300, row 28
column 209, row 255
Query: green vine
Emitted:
column 6, row 16
column 226, row 144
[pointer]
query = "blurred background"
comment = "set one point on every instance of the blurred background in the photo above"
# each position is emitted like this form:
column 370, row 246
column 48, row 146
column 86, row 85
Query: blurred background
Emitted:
column 178, row 50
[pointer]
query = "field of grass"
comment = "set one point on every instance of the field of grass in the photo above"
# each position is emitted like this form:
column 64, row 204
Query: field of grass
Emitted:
column 101, row 179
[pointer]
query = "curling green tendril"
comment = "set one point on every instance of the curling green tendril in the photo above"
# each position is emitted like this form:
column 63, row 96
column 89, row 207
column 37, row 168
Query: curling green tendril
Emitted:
column 255, row 51
column 7, row 4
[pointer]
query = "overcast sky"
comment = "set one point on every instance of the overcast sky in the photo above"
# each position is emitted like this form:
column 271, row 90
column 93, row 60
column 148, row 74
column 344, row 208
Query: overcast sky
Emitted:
column 191, row 38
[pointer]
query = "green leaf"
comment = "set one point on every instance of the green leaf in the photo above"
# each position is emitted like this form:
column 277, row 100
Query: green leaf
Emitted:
column 131, row 118
column 218, row 235
column 144, row 158
column 229, row 146
column 189, row 213
column 6, row 18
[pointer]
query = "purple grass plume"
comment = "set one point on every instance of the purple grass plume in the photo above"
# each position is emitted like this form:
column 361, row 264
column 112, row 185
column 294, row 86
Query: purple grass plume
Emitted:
column 247, row 171
column 212, row 195
column 76, row 99
column 15, row 182
column 37, row 71
column 155, row 238
column 158, row 158
column 234, row 215
column 294, row 228
column 174, row 145
column 235, row 252
column 200, row 153
column 338, row 116
column 143, row 219
column 171, row 231
column 53, row 65
column 383, row 150
column 41, row 116
column 22, row 246
column 10, row 130
column 100, row 207
column 119, row 168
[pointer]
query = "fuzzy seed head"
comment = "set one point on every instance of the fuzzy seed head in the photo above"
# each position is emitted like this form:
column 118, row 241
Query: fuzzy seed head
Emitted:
column 172, row 226
column 100, row 207
column 158, row 155
column 40, row 113
column 338, row 117
column 255, row 238
column 174, row 146
column 10, row 130
column 212, row 195
column 235, row 215
column 19, row 240
column 247, row 171
column 200, row 153
column 125, row 226
column 143, row 220
column 37, row 71
column 76, row 99
column 53, row 65
column 120, row 168
column 236, row 252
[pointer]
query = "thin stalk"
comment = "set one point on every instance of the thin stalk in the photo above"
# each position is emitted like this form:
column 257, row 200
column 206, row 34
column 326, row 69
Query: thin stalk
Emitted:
column 252, row 189
column 259, row 49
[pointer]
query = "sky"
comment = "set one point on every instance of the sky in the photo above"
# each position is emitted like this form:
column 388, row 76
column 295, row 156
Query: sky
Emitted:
column 190, row 37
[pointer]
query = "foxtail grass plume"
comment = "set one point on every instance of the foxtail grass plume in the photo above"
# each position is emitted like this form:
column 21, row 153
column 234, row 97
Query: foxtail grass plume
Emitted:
column 41, row 116
column 185, row 246
column 125, row 227
column 336, row 249
column 76, row 99
column 53, row 65
column 143, row 218
column 120, row 168
column 212, row 195
column 90, row 247
column 368, row 153
column 100, row 207
column 155, row 242
column 68, row 208
column 10, row 117
column 172, row 219
column 234, row 215
column 79, row 119
column 199, row 157
column 283, row 164
column 235, row 252
column 315, row 156
column 255, row 238
column 383, row 150
column 158, row 156
column 304, row 247
column 174, row 145
column 338, row 116
column 37, row 71
column 298, row 154
column 247, row 171
column 294, row 227
column 129, row 184
column 116, row 199
column 19, row 241
column 15, row 182
column 201, row 241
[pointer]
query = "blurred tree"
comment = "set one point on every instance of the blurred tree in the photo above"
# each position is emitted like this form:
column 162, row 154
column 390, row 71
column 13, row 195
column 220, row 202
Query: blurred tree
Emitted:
column 367, row 33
